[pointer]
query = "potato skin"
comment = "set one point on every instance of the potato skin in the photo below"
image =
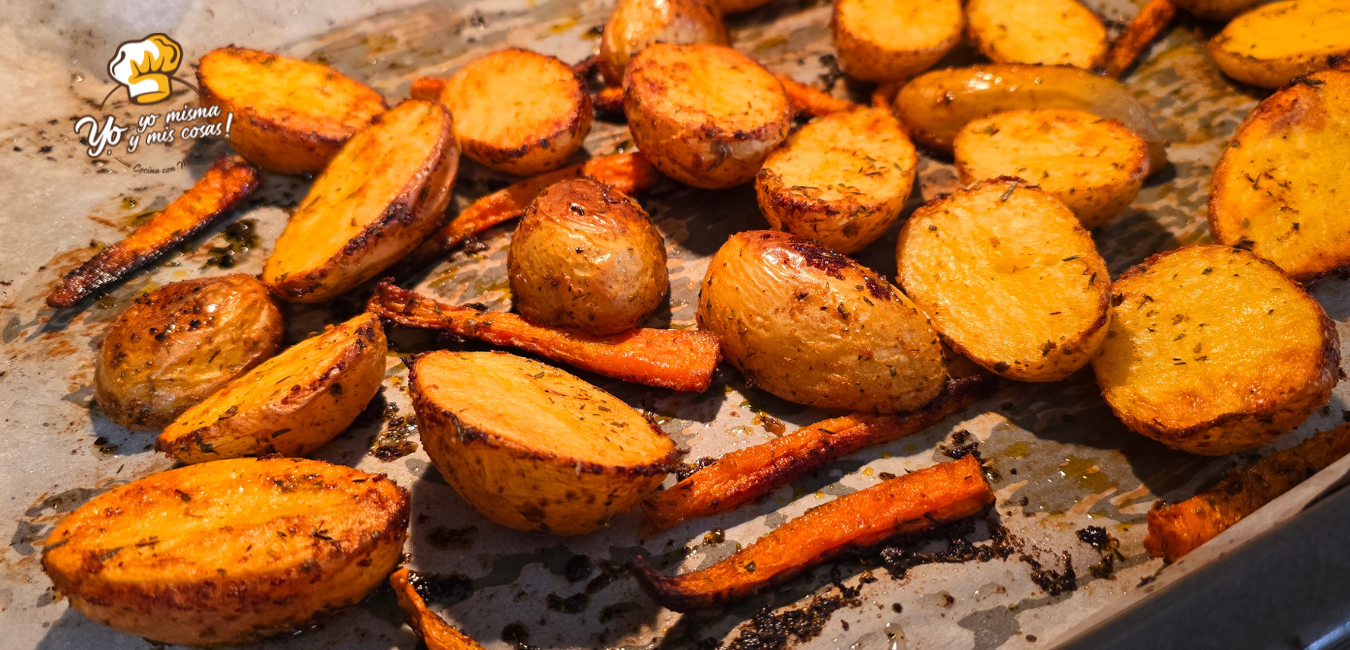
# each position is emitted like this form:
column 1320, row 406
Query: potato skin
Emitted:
column 841, row 180
column 178, row 344
column 814, row 327
column 1274, row 43
column 230, row 552
column 703, row 114
column 1053, row 32
column 587, row 256
column 290, row 116
column 636, row 24
column 1267, row 356
column 291, row 404
column 859, row 26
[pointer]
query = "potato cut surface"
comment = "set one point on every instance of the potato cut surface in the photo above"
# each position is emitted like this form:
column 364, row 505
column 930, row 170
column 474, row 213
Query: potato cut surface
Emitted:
column 1271, row 44
column 1052, row 32
column 1279, row 187
column 1095, row 165
column 840, row 180
column 1009, row 278
column 1214, row 351
column 888, row 40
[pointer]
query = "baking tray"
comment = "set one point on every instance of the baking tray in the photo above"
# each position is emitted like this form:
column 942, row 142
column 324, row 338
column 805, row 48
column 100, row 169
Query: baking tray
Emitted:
column 1061, row 462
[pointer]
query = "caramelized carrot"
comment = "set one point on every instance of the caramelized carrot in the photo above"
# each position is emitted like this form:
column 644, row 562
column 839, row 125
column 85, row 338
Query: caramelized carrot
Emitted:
column 223, row 186
column 884, row 94
column 609, row 100
column 744, row 475
column 806, row 100
column 906, row 504
column 435, row 632
column 1147, row 24
column 674, row 359
column 427, row 88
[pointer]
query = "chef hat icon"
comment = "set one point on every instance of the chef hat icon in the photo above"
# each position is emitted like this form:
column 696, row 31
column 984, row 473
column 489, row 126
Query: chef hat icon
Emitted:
column 146, row 66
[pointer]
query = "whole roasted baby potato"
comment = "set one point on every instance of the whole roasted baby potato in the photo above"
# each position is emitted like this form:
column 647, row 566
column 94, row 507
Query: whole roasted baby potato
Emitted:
column 178, row 344
column 703, row 114
column 636, row 24
column 290, row 404
column 230, row 552
column 532, row 447
column 586, row 256
column 892, row 40
column 1215, row 351
column 1053, row 32
column 290, row 116
column 1274, row 43
column 814, row 327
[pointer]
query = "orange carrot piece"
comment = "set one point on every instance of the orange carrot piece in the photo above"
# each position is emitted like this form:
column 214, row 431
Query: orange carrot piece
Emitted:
column 427, row 88
column 884, row 95
column 609, row 100
column 806, row 100
column 1151, row 20
column 435, row 632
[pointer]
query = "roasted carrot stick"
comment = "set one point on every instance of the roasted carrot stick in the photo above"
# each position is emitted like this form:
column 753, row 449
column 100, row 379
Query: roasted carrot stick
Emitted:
column 1151, row 20
column 1178, row 529
column 743, row 475
column 435, row 632
column 223, row 186
column 906, row 504
column 609, row 100
column 806, row 100
column 884, row 94
column 674, row 359
column 427, row 88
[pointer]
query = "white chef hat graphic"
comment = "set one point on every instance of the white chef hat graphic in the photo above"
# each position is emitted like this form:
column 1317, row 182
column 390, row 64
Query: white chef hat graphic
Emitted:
column 146, row 67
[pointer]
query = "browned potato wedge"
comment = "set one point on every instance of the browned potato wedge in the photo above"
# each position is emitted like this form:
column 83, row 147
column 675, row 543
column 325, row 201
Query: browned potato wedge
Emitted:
column 1093, row 164
column 935, row 106
column 635, row 24
column 814, row 327
column 289, row 405
column 1274, row 43
column 840, row 180
column 382, row 194
column 230, row 552
column 586, row 256
column 518, row 111
column 532, row 447
column 1278, row 188
column 1214, row 351
column 1220, row 10
column 1054, row 32
column 1009, row 277
column 703, row 114
column 290, row 116
column 891, row 40
column 178, row 344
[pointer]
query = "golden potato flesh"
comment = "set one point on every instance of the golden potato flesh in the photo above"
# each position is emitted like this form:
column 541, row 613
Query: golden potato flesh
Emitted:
column 1274, row 43
column 840, row 180
column 703, row 114
column 230, row 552
column 1093, row 164
column 586, row 256
column 289, row 405
column 290, row 116
column 1052, row 32
column 178, row 344
column 814, row 327
column 1214, row 351
column 518, row 111
column 636, row 24
column 1279, row 187
column 532, row 447
column 891, row 40
column 1009, row 277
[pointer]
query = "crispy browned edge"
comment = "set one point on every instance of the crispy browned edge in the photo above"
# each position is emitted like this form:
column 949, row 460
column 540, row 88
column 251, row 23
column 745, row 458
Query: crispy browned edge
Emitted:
column 228, row 182
column 1151, row 20
column 1331, row 350
column 810, row 102
column 741, row 476
column 1175, row 530
column 435, row 632
column 427, row 88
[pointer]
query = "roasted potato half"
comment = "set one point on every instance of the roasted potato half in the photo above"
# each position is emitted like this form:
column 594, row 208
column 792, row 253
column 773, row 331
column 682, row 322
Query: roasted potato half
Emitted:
column 230, row 552
column 178, row 344
column 290, row 116
column 289, row 405
column 703, row 114
column 1275, row 189
column 587, row 257
column 1214, row 351
column 1274, row 43
column 935, row 106
column 381, row 195
column 1093, row 164
column 518, row 111
column 1009, row 278
column 814, row 327
column 532, row 447
column 891, row 40
column 1220, row 10
column 840, row 180
column 635, row 24
column 1053, row 32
